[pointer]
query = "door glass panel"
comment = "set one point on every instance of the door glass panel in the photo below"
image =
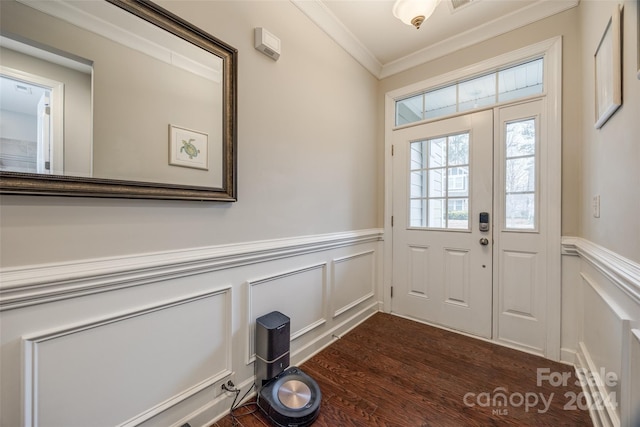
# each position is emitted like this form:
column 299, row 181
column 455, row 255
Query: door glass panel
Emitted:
column 520, row 175
column 437, row 152
column 476, row 93
column 521, row 138
column 520, row 81
column 440, row 102
column 458, row 181
column 459, row 149
column 418, row 187
column 520, row 211
column 409, row 110
column 439, row 183
column 458, row 213
column 418, row 213
column 437, row 213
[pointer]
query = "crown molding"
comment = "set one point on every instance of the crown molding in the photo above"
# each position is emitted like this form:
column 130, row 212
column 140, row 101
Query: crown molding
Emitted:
column 329, row 23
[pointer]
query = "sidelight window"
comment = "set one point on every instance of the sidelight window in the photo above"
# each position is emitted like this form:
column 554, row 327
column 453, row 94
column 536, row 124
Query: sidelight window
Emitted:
column 520, row 175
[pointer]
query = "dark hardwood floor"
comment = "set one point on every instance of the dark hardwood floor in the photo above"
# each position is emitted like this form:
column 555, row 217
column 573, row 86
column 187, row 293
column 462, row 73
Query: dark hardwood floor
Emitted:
column 390, row 371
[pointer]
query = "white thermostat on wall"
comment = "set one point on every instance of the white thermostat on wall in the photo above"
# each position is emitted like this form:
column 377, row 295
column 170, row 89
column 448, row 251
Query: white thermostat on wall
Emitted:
column 267, row 43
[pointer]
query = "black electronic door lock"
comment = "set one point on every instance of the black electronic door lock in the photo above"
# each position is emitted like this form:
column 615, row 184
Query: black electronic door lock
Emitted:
column 484, row 221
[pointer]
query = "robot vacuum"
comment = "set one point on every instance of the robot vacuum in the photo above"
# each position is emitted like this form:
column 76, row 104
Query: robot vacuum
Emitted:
column 292, row 399
column 287, row 396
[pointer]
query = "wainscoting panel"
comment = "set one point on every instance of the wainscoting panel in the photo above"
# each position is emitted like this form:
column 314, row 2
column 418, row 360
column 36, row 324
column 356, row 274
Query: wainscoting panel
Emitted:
column 353, row 281
column 606, row 310
column 145, row 353
column 599, row 355
column 147, row 339
column 605, row 326
column 299, row 294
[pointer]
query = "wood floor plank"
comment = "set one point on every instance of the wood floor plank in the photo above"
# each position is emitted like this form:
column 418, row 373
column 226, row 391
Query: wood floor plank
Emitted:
column 390, row 371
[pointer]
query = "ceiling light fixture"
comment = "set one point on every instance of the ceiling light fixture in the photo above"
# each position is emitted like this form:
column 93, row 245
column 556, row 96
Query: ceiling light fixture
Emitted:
column 414, row 12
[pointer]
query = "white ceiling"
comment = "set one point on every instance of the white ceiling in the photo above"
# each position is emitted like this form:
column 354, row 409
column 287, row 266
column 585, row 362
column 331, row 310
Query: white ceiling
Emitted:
column 368, row 30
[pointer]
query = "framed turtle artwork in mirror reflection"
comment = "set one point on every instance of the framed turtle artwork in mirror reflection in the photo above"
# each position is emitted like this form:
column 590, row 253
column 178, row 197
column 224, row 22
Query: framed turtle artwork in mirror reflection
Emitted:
column 188, row 148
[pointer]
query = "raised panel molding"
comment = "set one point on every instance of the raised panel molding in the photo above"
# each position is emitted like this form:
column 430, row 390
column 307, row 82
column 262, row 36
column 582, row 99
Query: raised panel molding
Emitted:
column 518, row 297
column 117, row 359
column 36, row 284
column 418, row 270
column 457, row 279
column 282, row 292
column 353, row 281
column 607, row 315
column 602, row 350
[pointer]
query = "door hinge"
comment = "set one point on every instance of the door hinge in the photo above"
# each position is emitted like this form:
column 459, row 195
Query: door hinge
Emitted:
column 392, row 149
column 392, row 292
column 392, row 220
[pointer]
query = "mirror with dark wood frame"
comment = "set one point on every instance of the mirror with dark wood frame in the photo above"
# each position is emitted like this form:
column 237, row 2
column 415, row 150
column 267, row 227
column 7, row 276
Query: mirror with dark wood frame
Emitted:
column 159, row 103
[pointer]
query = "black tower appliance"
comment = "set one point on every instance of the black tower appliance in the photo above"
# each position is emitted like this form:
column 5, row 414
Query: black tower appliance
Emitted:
column 286, row 395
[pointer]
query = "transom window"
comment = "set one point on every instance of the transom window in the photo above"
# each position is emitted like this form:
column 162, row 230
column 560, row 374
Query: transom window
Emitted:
column 503, row 85
column 439, row 193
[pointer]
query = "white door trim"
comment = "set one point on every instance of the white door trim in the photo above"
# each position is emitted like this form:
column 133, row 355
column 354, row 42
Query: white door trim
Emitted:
column 551, row 49
column 57, row 112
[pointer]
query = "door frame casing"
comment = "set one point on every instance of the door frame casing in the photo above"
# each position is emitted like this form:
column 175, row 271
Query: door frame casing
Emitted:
column 57, row 110
column 551, row 50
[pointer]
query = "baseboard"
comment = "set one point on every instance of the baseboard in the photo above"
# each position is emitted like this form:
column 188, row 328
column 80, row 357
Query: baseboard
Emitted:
column 219, row 407
column 568, row 355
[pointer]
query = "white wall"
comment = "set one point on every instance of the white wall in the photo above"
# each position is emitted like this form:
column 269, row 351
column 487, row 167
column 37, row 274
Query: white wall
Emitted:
column 610, row 155
column 307, row 158
column 601, row 268
column 117, row 297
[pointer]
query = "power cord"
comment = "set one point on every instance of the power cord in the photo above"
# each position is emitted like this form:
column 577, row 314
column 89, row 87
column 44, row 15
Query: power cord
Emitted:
column 230, row 387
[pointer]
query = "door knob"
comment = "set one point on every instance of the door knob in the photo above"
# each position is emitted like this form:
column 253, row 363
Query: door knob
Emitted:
column 484, row 241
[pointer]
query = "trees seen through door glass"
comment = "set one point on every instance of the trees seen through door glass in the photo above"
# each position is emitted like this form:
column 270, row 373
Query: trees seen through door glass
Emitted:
column 520, row 175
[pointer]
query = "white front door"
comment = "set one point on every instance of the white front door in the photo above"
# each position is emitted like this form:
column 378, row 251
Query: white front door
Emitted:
column 448, row 270
column 442, row 260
